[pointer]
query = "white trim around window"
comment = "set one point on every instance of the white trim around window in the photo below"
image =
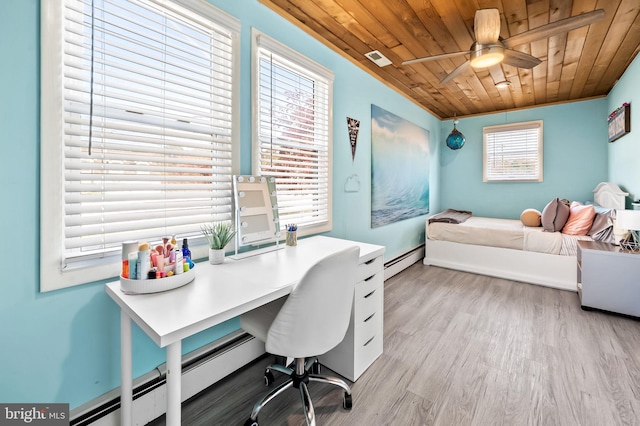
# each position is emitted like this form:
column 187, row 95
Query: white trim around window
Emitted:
column 292, row 98
column 139, row 129
column 513, row 152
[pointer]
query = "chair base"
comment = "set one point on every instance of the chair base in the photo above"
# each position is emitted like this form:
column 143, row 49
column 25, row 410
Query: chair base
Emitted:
column 299, row 379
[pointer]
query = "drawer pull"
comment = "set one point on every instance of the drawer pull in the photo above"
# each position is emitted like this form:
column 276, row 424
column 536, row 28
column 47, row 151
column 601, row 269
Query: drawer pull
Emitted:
column 369, row 341
column 369, row 262
column 366, row 296
column 371, row 277
column 369, row 317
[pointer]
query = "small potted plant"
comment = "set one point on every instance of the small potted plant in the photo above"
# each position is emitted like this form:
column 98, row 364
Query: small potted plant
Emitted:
column 218, row 235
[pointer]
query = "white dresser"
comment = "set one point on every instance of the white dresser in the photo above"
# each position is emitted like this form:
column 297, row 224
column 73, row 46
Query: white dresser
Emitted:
column 608, row 278
column 363, row 342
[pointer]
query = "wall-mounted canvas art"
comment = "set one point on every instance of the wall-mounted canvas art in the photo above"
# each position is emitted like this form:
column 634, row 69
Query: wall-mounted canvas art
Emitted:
column 399, row 168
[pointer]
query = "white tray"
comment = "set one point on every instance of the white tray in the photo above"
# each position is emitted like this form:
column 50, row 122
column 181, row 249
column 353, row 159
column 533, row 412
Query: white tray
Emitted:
column 154, row 286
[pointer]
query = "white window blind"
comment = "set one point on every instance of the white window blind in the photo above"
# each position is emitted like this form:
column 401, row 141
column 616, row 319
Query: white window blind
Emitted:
column 294, row 96
column 513, row 152
column 147, row 124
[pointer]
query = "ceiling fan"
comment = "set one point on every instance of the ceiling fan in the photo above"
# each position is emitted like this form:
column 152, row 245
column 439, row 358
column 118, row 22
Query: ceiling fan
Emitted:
column 489, row 49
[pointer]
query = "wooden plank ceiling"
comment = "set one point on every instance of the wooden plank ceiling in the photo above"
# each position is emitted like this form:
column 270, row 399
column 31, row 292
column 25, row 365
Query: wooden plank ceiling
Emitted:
column 581, row 64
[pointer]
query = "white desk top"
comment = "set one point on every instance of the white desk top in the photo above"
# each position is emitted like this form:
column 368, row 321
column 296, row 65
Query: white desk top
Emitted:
column 222, row 292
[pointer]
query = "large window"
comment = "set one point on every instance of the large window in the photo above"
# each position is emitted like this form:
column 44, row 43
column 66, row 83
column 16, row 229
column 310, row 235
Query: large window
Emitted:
column 513, row 152
column 139, row 118
column 292, row 132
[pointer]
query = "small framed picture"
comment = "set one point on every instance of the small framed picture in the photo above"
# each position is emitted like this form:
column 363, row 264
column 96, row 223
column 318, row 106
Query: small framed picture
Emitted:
column 620, row 122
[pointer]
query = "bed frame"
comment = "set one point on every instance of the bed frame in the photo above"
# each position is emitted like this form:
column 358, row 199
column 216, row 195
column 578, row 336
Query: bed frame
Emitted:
column 530, row 267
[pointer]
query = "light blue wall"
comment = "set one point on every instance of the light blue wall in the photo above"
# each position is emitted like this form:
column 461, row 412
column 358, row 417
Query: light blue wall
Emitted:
column 63, row 346
column 624, row 154
column 575, row 161
column 354, row 92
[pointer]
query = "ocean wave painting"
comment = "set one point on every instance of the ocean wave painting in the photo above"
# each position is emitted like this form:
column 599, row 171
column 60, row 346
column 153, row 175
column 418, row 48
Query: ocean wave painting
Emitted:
column 399, row 168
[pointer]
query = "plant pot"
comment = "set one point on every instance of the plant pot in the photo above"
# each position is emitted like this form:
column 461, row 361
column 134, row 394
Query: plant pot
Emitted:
column 216, row 256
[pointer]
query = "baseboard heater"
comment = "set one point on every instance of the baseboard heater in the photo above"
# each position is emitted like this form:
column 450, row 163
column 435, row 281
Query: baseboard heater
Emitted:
column 403, row 261
column 200, row 369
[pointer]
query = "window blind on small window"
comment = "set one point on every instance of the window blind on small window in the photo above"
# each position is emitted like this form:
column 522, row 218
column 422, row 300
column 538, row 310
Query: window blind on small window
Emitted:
column 513, row 152
column 147, row 124
column 293, row 131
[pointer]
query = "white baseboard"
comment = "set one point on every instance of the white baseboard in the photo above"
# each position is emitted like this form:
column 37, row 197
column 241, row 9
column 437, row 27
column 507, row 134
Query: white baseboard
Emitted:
column 201, row 368
column 403, row 261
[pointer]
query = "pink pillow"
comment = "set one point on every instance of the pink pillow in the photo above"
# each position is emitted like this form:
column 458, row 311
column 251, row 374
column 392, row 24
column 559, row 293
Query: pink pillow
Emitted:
column 580, row 219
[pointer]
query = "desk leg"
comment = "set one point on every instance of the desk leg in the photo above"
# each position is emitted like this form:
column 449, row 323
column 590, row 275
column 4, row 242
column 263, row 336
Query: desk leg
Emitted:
column 174, row 383
column 126, row 371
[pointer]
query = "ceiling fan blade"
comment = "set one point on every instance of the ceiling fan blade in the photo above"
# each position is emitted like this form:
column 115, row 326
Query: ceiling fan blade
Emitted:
column 453, row 74
column 519, row 59
column 558, row 27
column 486, row 26
column 436, row 57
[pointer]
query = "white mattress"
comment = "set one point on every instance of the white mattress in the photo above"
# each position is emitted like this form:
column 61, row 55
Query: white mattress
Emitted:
column 504, row 233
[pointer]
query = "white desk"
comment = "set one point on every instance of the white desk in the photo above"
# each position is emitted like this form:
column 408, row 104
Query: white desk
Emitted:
column 218, row 293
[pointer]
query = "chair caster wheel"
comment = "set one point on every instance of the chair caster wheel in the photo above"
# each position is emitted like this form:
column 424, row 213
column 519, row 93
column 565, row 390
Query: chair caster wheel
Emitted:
column 250, row 422
column 315, row 367
column 268, row 379
column 347, row 402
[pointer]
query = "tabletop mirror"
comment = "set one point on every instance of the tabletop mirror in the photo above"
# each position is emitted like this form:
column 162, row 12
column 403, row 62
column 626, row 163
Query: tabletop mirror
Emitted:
column 256, row 210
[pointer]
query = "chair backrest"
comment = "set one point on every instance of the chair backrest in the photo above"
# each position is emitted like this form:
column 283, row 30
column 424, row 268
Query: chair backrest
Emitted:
column 316, row 315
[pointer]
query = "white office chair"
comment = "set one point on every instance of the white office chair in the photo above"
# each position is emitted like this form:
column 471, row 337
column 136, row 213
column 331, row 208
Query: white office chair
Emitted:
column 309, row 322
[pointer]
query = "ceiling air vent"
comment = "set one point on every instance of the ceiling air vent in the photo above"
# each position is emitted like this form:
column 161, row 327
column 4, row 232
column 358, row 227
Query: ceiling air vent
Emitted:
column 378, row 58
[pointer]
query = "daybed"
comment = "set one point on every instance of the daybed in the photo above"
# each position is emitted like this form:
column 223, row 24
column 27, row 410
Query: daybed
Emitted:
column 521, row 255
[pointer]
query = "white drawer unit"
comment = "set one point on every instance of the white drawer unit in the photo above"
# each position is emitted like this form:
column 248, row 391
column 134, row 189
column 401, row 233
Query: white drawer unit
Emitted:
column 363, row 342
column 608, row 278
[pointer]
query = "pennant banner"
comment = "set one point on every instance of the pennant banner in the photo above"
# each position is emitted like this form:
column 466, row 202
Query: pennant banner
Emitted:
column 354, row 126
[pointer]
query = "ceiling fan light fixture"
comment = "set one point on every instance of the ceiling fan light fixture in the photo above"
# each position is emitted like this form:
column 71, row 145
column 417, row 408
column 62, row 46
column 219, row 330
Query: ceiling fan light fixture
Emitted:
column 486, row 56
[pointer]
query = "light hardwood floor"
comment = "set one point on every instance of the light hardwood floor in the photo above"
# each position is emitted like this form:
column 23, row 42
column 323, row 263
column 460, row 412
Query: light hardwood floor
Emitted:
column 465, row 349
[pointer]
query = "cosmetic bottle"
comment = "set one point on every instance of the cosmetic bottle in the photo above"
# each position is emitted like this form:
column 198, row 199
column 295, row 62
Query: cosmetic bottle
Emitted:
column 128, row 247
column 125, row 269
column 133, row 263
column 178, row 264
column 160, row 261
column 186, row 253
column 144, row 259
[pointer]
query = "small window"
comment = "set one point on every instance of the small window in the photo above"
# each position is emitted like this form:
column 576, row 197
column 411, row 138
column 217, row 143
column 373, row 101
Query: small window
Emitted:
column 513, row 152
column 292, row 97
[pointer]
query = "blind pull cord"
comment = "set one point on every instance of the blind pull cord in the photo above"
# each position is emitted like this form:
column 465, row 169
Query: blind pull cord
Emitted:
column 272, row 112
column 91, row 77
